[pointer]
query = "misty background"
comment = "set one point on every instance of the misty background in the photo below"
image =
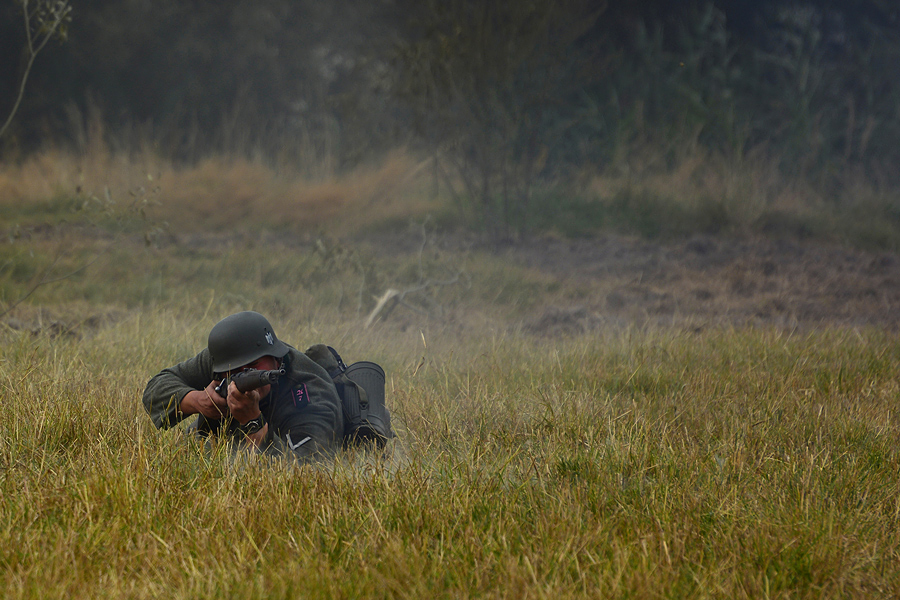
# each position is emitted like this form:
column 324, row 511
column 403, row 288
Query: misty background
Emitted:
column 511, row 97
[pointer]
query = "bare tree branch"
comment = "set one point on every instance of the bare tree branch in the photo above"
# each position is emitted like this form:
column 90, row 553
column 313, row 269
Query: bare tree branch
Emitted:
column 59, row 12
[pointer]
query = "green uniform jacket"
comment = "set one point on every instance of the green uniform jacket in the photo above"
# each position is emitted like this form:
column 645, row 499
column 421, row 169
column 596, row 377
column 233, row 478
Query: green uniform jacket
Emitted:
column 303, row 409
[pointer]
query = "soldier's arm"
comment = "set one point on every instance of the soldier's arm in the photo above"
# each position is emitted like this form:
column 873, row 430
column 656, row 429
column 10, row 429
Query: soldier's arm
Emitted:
column 179, row 391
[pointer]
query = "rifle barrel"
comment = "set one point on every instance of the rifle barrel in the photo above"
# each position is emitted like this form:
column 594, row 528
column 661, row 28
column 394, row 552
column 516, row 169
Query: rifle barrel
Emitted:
column 249, row 380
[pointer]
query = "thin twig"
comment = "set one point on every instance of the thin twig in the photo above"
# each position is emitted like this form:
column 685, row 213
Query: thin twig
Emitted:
column 60, row 15
column 379, row 305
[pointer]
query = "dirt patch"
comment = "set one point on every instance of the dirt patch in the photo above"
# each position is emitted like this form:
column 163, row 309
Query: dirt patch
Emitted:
column 711, row 281
column 619, row 281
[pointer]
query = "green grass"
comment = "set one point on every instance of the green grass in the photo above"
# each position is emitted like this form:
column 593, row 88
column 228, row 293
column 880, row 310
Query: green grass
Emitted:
column 725, row 464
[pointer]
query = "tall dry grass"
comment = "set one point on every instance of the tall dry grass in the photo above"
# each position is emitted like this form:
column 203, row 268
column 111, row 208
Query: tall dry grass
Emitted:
column 219, row 190
column 644, row 190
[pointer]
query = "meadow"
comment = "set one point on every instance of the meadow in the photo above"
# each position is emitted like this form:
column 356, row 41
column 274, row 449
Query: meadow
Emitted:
column 622, row 460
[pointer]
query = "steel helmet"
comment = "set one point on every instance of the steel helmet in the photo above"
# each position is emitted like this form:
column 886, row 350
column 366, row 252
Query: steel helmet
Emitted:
column 242, row 338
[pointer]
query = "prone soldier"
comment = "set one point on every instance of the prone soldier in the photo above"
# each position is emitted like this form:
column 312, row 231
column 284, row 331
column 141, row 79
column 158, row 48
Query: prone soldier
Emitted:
column 292, row 407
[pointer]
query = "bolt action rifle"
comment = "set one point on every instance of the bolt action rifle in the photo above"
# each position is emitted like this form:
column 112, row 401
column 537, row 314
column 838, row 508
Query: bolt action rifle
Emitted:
column 248, row 380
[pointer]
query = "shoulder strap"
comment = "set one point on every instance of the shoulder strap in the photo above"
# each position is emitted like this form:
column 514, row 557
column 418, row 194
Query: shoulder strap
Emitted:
column 363, row 397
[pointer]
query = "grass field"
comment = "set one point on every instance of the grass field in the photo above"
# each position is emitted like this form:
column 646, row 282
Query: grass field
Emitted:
column 628, row 461
column 639, row 464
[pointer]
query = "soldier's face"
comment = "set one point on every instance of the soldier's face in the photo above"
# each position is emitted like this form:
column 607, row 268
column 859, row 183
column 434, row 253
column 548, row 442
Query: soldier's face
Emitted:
column 266, row 363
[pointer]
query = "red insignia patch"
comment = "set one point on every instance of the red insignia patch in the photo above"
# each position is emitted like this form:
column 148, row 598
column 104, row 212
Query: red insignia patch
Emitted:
column 301, row 396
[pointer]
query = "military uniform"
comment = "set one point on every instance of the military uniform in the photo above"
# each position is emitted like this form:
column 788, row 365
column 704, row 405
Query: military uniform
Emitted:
column 303, row 409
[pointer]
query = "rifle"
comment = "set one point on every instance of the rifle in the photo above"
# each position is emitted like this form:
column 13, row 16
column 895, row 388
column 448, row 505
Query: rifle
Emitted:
column 248, row 380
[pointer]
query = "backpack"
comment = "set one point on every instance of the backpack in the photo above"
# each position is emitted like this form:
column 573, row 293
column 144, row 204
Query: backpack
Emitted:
column 361, row 389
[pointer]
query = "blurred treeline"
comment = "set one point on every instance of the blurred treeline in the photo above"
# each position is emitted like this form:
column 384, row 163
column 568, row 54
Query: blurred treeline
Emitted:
column 504, row 93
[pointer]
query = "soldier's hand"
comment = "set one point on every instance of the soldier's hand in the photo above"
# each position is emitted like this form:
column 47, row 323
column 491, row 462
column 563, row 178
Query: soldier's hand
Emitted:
column 244, row 406
column 212, row 405
column 206, row 402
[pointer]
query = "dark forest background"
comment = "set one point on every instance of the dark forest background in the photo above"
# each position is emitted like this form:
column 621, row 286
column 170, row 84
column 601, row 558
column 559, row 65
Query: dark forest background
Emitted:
column 506, row 94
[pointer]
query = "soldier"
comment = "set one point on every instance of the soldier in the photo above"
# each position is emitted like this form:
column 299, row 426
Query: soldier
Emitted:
column 299, row 414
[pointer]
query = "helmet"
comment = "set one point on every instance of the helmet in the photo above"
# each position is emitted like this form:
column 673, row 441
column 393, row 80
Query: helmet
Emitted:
column 242, row 338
